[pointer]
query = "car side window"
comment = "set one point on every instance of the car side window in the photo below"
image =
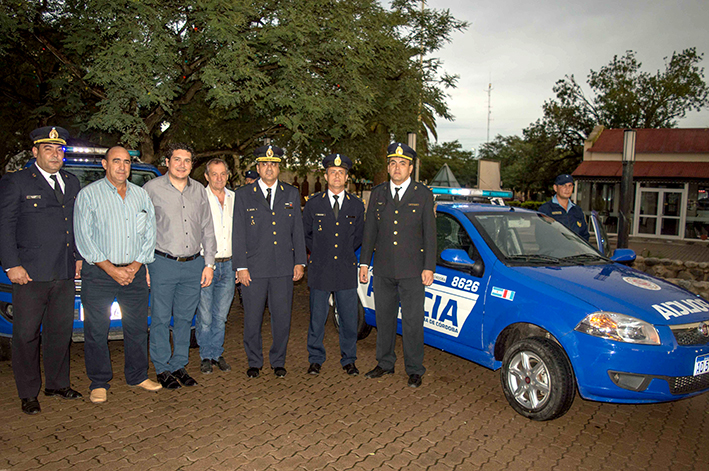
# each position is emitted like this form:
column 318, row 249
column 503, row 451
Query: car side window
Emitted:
column 450, row 234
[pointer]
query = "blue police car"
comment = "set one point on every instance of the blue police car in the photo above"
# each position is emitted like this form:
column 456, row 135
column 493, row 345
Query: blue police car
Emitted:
column 515, row 290
column 85, row 163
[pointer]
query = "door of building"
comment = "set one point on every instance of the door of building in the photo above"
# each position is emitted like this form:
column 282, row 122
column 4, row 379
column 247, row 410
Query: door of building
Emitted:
column 659, row 212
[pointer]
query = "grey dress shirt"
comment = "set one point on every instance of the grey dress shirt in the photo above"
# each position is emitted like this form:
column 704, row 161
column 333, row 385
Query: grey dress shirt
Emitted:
column 183, row 219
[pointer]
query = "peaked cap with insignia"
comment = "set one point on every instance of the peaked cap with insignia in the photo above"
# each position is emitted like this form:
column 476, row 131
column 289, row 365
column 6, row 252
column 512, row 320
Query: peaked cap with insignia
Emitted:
column 398, row 149
column 49, row 135
column 268, row 154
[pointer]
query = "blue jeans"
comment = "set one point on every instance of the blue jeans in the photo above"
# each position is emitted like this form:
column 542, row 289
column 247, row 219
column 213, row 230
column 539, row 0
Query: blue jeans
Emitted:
column 175, row 288
column 214, row 304
column 346, row 302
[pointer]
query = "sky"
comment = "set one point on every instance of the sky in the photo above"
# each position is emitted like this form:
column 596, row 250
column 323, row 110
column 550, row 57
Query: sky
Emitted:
column 522, row 48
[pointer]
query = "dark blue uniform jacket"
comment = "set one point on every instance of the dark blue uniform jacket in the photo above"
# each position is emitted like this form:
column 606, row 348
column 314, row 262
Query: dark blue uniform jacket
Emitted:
column 574, row 219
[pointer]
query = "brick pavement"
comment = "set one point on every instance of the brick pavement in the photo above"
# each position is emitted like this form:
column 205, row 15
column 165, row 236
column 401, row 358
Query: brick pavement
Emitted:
column 458, row 420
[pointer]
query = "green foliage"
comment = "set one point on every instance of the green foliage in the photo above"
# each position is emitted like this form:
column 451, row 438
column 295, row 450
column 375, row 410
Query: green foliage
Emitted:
column 533, row 205
column 461, row 162
column 312, row 75
column 622, row 96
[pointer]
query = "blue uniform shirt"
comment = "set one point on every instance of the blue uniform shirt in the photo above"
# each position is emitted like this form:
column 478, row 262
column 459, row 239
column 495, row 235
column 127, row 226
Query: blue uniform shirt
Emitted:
column 573, row 218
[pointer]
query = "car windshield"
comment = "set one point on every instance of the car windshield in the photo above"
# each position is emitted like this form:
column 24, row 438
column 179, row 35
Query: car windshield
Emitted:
column 88, row 175
column 533, row 239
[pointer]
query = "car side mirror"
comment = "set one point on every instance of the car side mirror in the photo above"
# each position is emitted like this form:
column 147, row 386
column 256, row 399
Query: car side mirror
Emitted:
column 459, row 260
column 624, row 256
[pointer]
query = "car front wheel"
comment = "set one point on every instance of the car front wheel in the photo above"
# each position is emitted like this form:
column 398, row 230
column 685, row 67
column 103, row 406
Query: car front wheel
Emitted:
column 537, row 379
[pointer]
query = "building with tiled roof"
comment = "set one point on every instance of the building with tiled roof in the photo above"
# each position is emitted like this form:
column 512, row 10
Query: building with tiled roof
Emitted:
column 670, row 178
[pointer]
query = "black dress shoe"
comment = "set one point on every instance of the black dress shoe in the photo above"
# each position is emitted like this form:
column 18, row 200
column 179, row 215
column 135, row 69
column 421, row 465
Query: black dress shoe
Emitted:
column 351, row 369
column 378, row 372
column 205, row 366
column 279, row 371
column 415, row 381
column 31, row 406
column 168, row 381
column 184, row 378
column 253, row 372
column 65, row 393
column 314, row 369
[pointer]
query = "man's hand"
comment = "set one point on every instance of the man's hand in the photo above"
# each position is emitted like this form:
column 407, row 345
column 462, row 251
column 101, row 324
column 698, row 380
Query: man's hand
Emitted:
column 363, row 274
column 18, row 275
column 123, row 275
column 243, row 277
column 77, row 273
column 147, row 276
column 298, row 272
column 207, row 275
column 427, row 277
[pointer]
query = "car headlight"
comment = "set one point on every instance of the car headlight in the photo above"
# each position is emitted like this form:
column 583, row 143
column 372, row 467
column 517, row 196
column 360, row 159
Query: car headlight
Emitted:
column 619, row 327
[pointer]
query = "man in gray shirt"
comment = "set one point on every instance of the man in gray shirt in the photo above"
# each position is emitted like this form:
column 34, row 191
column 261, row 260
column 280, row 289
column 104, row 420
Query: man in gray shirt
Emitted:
column 184, row 225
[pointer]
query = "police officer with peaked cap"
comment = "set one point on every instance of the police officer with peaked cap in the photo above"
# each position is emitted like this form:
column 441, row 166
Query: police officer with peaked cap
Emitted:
column 38, row 253
column 334, row 222
column 400, row 234
column 250, row 176
column 563, row 210
column 268, row 252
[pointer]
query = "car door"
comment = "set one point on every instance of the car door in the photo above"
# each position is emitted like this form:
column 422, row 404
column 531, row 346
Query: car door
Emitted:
column 454, row 306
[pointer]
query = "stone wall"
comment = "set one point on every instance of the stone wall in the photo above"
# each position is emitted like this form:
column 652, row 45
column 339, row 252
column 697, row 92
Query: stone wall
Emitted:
column 693, row 276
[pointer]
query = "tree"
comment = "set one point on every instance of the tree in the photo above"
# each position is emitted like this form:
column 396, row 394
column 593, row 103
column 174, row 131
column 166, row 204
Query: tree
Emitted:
column 623, row 96
column 311, row 74
column 461, row 162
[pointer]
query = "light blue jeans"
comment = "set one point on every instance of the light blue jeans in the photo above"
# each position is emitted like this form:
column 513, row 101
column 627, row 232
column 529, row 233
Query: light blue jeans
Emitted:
column 214, row 304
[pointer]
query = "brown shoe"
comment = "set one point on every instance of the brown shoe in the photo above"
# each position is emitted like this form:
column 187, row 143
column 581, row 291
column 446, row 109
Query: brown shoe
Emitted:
column 98, row 395
column 149, row 385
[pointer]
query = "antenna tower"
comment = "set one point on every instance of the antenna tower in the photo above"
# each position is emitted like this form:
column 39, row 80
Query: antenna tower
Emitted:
column 489, row 108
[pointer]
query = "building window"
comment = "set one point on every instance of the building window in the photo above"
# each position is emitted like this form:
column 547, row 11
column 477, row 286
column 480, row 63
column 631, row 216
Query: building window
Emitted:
column 697, row 225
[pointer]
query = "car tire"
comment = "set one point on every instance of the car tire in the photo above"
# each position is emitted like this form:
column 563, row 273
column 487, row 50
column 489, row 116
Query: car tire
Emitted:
column 537, row 379
column 363, row 329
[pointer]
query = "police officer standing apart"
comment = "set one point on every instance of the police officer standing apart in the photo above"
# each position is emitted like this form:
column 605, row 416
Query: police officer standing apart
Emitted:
column 38, row 253
column 400, row 230
column 333, row 221
column 563, row 210
column 184, row 224
column 269, row 255
column 115, row 234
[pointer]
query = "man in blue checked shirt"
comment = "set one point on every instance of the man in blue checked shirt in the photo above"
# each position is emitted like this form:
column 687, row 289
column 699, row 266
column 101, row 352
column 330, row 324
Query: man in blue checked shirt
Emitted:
column 114, row 222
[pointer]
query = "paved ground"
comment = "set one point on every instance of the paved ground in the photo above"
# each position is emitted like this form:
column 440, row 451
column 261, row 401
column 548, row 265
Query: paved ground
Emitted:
column 697, row 251
column 458, row 420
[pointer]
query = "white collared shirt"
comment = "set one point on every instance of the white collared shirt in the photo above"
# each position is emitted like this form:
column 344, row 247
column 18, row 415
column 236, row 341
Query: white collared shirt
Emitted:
column 47, row 176
column 402, row 188
column 264, row 187
column 222, row 218
column 340, row 198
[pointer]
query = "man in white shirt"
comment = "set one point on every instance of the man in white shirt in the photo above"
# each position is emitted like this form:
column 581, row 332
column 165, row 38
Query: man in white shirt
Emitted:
column 215, row 299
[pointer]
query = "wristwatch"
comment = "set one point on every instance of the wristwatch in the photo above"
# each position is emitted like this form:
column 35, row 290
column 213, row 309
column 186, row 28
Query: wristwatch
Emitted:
column 212, row 266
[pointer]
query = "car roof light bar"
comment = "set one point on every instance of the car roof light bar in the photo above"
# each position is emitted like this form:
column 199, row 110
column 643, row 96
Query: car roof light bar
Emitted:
column 441, row 190
column 95, row 150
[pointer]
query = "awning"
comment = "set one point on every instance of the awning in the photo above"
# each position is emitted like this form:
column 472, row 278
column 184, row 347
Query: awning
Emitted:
column 604, row 168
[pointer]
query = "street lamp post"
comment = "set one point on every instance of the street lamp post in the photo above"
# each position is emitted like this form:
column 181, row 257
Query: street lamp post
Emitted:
column 411, row 142
column 626, row 188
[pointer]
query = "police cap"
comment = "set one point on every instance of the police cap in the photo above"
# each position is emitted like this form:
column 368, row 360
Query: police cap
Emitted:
column 337, row 160
column 398, row 149
column 49, row 135
column 268, row 154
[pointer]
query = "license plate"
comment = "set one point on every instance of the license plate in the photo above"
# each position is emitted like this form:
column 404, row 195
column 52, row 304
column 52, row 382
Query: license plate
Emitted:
column 701, row 365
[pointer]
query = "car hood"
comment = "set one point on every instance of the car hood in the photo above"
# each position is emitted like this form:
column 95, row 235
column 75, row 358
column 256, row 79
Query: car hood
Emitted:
column 617, row 288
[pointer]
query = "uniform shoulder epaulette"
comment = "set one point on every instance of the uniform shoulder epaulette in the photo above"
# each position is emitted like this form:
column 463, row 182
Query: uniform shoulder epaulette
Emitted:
column 288, row 184
column 354, row 196
column 377, row 186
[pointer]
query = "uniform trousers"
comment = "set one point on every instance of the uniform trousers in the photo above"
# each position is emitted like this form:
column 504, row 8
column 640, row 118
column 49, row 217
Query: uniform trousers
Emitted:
column 388, row 293
column 279, row 293
column 346, row 302
column 48, row 305
column 98, row 291
column 175, row 289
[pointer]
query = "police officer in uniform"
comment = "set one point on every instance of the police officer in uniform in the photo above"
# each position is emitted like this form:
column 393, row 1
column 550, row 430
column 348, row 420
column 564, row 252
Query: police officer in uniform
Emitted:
column 333, row 221
column 268, row 252
column 563, row 210
column 400, row 232
column 38, row 253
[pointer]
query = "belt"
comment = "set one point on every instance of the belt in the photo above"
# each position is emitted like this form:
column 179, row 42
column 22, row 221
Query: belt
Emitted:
column 121, row 265
column 179, row 259
column 222, row 260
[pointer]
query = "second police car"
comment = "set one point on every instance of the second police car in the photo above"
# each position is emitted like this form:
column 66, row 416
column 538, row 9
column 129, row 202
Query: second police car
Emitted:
column 515, row 290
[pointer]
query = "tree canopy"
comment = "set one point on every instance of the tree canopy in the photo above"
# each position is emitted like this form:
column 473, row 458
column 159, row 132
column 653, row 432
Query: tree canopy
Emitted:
column 314, row 75
column 621, row 96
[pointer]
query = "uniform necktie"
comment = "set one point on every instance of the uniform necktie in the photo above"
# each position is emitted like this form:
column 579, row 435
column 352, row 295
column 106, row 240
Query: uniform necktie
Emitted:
column 57, row 189
column 396, row 194
column 268, row 197
column 336, row 206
